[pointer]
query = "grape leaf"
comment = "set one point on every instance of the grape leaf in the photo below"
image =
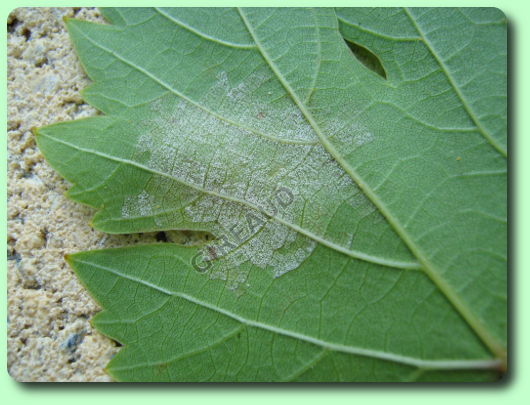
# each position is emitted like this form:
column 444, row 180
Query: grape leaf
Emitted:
column 357, row 199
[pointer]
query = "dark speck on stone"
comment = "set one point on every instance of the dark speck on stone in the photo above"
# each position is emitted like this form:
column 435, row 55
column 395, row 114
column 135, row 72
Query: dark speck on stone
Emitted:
column 72, row 342
column 16, row 257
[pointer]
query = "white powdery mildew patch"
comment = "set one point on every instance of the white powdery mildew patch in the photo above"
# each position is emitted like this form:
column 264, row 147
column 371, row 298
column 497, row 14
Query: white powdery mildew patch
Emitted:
column 247, row 235
column 244, row 103
column 348, row 137
column 283, row 264
column 363, row 138
column 140, row 205
column 249, row 187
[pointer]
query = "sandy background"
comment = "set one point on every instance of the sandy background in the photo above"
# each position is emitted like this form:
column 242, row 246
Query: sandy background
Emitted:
column 49, row 334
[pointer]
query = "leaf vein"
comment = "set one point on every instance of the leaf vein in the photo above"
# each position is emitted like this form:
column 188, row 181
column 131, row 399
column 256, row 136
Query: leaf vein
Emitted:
column 393, row 357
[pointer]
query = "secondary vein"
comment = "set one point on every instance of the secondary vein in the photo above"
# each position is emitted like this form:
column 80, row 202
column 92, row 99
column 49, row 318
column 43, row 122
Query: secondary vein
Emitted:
column 202, row 34
column 349, row 252
column 451, row 80
column 398, row 358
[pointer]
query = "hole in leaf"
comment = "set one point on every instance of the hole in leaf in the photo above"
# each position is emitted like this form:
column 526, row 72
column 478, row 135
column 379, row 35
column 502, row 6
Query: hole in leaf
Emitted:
column 367, row 58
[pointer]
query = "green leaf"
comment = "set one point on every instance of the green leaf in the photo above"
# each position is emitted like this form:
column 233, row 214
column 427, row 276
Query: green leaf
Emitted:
column 359, row 217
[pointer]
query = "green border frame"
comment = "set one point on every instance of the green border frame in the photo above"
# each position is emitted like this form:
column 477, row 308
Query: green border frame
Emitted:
column 512, row 390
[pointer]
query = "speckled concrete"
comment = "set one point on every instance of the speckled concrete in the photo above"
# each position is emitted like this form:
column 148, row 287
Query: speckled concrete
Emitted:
column 49, row 334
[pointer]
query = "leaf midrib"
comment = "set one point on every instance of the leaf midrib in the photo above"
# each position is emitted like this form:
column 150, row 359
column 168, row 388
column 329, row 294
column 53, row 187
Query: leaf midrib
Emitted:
column 353, row 350
column 473, row 321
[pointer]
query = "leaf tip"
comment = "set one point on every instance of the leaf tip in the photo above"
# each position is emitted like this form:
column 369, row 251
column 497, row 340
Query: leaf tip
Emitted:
column 69, row 21
column 108, row 371
column 66, row 20
column 70, row 259
column 35, row 131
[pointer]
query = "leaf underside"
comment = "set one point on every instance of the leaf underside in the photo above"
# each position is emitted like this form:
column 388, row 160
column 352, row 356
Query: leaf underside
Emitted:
column 358, row 202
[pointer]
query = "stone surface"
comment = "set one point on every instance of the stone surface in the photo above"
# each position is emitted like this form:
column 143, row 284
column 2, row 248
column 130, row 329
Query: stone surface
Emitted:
column 49, row 334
